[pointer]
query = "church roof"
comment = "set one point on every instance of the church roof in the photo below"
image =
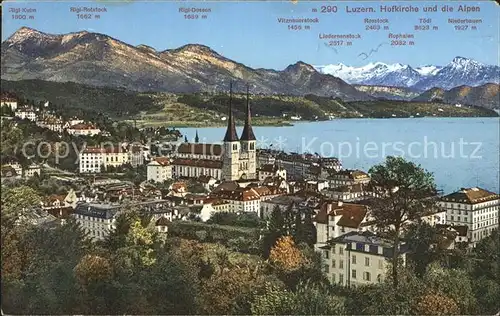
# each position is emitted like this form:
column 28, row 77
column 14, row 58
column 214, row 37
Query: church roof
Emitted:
column 231, row 135
column 247, row 129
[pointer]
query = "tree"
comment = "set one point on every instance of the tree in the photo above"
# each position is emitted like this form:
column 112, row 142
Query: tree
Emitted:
column 423, row 241
column 455, row 284
column 436, row 304
column 274, row 231
column 307, row 299
column 286, row 256
column 305, row 231
column 404, row 192
column 485, row 273
column 17, row 201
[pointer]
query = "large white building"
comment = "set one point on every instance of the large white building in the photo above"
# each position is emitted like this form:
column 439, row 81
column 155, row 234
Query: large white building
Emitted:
column 358, row 258
column 98, row 220
column 159, row 170
column 26, row 114
column 8, row 100
column 94, row 159
column 475, row 208
column 82, row 129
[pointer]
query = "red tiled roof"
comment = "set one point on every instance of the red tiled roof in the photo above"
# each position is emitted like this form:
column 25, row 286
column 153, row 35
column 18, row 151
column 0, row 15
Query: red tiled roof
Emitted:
column 352, row 214
column 471, row 196
column 176, row 186
column 109, row 150
column 162, row 221
column 240, row 194
column 200, row 149
column 164, row 161
column 93, row 150
column 226, row 186
column 204, row 163
column 52, row 198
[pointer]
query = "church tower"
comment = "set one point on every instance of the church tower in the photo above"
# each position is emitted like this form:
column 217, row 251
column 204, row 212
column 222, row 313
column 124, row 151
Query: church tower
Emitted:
column 231, row 147
column 248, row 143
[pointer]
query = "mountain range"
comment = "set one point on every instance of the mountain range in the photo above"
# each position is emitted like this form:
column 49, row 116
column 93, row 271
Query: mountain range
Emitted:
column 486, row 95
column 460, row 71
column 100, row 60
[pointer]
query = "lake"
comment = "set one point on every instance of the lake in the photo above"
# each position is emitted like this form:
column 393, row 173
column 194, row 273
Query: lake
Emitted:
column 461, row 152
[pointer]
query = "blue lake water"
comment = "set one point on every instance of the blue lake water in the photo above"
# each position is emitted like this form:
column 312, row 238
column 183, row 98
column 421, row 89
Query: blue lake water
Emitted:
column 461, row 152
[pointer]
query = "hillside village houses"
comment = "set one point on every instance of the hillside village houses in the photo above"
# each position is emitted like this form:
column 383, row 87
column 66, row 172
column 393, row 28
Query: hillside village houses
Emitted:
column 26, row 113
column 9, row 100
column 82, row 129
column 14, row 170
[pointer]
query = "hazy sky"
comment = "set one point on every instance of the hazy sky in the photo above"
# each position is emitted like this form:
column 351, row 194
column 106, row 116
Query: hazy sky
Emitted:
column 249, row 32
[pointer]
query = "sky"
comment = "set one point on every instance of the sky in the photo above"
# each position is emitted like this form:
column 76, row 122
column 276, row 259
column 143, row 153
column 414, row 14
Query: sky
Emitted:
column 249, row 32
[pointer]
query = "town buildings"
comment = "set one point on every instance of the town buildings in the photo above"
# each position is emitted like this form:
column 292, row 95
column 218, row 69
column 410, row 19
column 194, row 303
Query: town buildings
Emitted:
column 82, row 129
column 159, row 170
column 359, row 258
column 26, row 113
column 475, row 208
column 98, row 159
column 8, row 100
column 271, row 170
column 235, row 159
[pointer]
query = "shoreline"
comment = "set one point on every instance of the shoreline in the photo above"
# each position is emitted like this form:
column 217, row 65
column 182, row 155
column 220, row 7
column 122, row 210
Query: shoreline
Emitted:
column 292, row 123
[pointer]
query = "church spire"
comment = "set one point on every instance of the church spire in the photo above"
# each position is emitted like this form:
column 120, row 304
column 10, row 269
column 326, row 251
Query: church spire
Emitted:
column 247, row 130
column 196, row 138
column 231, row 135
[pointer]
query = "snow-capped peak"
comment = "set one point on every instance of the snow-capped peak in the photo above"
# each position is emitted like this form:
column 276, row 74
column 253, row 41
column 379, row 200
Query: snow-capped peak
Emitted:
column 428, row 70
column 371, row 72
column 463, row 62
column 460, row 71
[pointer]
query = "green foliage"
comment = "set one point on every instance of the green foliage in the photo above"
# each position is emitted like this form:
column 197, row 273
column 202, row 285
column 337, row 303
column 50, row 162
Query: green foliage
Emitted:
column 305, row 300
column 293, row 221
column 423, row 242
column 225, row 235
column 485, row 273
column 76, row 97
column 17, row 200
column 250, row 220
column 405, row 192
column 456, row 284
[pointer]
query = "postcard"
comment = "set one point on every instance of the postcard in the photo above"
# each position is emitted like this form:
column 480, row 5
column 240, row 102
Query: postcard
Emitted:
column 250, row 157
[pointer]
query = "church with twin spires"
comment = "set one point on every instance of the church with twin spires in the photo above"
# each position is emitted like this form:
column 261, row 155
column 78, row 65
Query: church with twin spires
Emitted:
column 235, row 159
column 239, row 158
